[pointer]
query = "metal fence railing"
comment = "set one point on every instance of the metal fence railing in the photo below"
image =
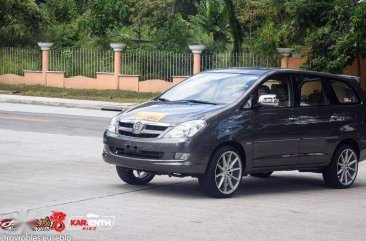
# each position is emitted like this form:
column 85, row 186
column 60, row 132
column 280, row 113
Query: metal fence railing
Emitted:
column 157, row 64
column 224, row 60
column 84, row 62
column 16, row 60
column 146, row 64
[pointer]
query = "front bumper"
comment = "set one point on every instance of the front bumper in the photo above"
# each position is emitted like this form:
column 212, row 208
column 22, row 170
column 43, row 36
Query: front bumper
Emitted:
column 165, row 162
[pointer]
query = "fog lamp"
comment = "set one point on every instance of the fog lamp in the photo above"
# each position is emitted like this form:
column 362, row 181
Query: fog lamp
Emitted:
column 181, row 156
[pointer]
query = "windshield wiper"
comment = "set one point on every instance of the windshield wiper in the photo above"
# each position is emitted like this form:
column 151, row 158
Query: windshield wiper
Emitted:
column 163, row 99
column 198, row 102
column 187, row 101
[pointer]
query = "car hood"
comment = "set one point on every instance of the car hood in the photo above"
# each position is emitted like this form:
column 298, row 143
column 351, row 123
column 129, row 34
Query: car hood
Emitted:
column 170, row 112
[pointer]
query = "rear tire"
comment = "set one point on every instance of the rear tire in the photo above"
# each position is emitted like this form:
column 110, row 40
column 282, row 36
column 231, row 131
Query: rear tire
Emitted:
column 342, row 171
column 134, row 177
column 224, row 173
column 261, row 174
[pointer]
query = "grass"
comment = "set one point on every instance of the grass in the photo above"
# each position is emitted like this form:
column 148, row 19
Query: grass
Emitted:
column 121, row 96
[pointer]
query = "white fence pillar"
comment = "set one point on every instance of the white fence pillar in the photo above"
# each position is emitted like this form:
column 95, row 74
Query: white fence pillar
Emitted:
column 45, row 47
column 197, row 51
column 117, row 48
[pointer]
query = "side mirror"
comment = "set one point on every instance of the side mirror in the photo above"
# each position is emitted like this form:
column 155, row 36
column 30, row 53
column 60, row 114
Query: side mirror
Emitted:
column 268, row 100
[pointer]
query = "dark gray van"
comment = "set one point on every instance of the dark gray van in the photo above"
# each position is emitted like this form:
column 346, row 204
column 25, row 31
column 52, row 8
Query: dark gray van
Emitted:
column 223, row 124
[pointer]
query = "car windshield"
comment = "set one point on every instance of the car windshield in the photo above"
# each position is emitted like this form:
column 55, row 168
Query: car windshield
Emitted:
column 214, row 88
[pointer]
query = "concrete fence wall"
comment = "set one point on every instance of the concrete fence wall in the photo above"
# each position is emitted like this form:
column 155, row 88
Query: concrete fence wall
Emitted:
column 115, row 80
column 122, row 70
column 103, row 81
column 118, row 81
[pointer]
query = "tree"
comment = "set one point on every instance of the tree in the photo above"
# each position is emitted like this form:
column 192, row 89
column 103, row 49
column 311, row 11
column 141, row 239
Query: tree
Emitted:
column 60, row 25
column 211, row 20
column 235, row 26
column 334, row 29
column 161, row 23
column 19, row 22
column 104, row 19
column 341, row 39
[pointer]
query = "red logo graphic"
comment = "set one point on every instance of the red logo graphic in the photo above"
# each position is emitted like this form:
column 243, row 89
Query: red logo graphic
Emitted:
column 91, row 222
column 82, row 223
column 58, row 219
column 9, row 224
column 54, row 222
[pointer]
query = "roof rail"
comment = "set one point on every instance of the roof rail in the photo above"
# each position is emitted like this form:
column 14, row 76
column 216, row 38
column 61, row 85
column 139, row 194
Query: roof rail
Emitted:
column 357, row 78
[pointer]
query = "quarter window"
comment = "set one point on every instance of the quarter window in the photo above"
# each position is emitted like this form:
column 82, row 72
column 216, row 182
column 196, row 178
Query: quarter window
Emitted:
column 344, row 92
column 311, row 91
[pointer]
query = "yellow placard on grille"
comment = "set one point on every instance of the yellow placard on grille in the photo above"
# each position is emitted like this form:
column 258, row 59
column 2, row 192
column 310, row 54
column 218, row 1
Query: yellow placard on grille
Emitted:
column 151, row 116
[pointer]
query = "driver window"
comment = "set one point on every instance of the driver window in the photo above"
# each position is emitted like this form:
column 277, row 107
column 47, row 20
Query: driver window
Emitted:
column 275, row 92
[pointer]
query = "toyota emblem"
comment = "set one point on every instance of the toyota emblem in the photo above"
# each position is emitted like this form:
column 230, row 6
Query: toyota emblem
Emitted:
column 138, row 127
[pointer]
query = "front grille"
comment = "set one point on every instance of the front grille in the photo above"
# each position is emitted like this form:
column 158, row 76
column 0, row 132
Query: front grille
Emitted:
column 138, row 154
column 126, row 124
column 129, row 133
column 155, row 128
column 150, row 130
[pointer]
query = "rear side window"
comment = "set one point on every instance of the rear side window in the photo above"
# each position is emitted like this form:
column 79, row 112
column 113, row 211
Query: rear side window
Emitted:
column 311, row 91
column 344, row 92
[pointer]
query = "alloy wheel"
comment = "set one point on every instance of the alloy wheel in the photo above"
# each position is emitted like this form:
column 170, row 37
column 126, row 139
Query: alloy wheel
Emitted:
column 347, row 166
column 228, row 172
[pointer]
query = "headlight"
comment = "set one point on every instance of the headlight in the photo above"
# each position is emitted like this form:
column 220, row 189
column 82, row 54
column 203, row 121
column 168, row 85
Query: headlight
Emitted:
column 186, row 129
column 113, row 124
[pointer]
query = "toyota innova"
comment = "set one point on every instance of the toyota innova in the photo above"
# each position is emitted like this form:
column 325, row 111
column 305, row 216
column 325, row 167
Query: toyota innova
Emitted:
column 221, row 125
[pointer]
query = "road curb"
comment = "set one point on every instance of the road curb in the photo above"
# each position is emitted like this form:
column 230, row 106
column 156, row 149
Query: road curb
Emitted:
column 68, row 103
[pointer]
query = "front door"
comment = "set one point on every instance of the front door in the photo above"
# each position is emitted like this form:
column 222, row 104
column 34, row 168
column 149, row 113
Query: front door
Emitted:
column 276, row 127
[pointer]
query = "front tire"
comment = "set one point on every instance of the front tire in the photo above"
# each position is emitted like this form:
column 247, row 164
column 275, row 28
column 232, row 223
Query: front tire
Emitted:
column 224, row 173
column 134, row 177
column 342, row 171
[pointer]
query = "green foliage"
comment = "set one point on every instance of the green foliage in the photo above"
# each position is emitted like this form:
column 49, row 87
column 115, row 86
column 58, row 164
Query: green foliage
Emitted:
column 159, row 25
column 57, row 11
column 19, row 22
column 334, row 29
column 340, row 40
column 104, row 15
column 16, row 60
column 172, row 35
column 210, row 25
column 60, row 26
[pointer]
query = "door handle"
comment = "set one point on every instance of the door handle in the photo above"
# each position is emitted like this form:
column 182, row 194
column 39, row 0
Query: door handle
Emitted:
column 292, row 118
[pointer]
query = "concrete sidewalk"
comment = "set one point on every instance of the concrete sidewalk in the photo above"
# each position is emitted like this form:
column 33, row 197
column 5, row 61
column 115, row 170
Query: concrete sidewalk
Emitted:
column 70, row 103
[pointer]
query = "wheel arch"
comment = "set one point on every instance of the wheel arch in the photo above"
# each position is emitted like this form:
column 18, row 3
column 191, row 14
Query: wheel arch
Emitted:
column 351, row 142
column 234, row 144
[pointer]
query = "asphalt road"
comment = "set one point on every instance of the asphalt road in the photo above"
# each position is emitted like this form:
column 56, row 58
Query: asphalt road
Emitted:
column 50, row 160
